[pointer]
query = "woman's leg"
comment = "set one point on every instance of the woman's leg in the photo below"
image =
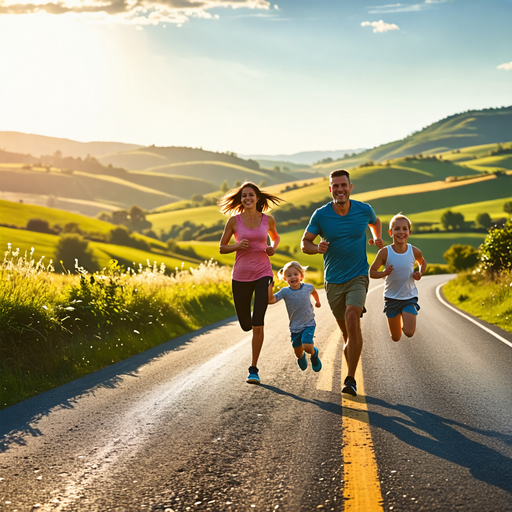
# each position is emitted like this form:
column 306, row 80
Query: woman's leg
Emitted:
column 258, row 316
column 242, row 295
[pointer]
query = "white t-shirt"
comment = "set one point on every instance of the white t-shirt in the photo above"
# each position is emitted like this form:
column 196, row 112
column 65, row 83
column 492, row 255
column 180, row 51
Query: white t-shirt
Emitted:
column 400, row 284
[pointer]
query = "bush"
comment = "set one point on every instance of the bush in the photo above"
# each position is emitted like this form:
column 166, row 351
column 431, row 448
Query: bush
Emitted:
column 39, row 225
column 461, row 257
column 72, row 247
column 452, row 220
column 495, row 253
column 121, row 236
column 484, row 220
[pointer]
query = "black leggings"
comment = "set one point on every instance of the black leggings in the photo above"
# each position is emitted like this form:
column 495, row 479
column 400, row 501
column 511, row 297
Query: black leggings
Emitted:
column 242, row 295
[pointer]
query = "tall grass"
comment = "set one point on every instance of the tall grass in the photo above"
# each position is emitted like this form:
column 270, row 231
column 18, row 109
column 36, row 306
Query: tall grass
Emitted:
column 485, row 296
column 56, row 328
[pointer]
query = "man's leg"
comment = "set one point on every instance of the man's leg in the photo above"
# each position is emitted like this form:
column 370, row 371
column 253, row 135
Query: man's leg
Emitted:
column 353, row 338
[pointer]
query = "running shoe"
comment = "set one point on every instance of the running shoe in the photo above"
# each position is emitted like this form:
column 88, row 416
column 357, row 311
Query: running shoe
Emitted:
column 302, row 362
column 350, row 386
column 315, row 361
column 253, row 375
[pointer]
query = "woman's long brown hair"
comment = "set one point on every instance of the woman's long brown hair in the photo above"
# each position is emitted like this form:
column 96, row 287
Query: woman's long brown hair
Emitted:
column 231, row 203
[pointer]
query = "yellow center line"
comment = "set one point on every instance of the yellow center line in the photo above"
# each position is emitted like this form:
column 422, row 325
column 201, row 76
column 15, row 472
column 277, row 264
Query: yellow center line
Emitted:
column 328, row 356
column 361, row 490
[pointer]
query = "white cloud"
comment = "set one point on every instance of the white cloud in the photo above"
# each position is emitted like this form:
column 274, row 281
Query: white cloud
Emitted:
column 391, row 8
column 276, row 7
column 380, row 26
column 137, row 12
column 507, row 66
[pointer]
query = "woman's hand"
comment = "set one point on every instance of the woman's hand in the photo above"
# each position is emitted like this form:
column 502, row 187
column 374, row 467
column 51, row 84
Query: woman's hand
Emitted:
column 243, row 244
column 270, row 250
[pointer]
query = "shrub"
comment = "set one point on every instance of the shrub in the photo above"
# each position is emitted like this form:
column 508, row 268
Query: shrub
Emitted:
column 461, row 257
column 495, row 253
column 72, row 247
column 484, row 220
column 121, row 236
column 39, row 225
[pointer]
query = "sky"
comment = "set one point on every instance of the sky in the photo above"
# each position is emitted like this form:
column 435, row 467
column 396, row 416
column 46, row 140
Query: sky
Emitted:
column 249, row 76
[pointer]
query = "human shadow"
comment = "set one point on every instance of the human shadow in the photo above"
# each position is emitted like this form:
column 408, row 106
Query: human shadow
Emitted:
column 324, row 405
column 20, row 421
column 444, row 438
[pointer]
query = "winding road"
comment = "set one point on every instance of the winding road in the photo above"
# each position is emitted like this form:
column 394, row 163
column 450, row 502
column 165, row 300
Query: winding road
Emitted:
column 177, row 428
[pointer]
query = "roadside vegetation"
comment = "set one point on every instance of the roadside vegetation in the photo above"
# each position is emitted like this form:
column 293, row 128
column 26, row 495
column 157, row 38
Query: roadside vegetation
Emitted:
column 55, row 328
column 483, row 287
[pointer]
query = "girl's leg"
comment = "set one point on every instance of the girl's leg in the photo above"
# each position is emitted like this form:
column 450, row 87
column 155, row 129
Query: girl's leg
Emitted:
column 409, row 321
column 258, row 316
column 395, row 327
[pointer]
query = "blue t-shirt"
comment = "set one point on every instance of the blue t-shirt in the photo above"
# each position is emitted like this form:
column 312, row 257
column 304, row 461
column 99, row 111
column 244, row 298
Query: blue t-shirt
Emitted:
column 346, row 256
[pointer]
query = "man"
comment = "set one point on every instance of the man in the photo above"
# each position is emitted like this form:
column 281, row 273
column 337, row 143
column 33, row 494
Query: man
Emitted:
column 342, row 226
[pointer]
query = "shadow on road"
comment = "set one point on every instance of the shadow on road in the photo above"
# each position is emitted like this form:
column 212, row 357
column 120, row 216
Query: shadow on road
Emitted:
column 20, row 420
column 326, row 406
column 446, row 439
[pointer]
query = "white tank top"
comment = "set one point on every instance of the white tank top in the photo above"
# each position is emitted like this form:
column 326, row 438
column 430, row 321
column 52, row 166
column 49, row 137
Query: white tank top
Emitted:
column 400, row 284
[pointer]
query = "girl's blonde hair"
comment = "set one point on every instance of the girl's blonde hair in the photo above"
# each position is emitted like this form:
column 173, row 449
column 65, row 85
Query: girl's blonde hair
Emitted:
column 399, row 216
column 293, row 264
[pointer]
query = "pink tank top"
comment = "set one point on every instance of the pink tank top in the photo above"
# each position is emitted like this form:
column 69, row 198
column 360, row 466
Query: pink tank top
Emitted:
column 252, row 263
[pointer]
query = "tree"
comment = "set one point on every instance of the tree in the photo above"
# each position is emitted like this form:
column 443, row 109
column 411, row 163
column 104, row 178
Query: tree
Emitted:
column 507, row 207
column 484, row 220
column 452, row 220
column 262, row 184
column 461, row 257
column 73, row 247
column 224, row 187
column 39, row 225
column 495, row 253
column 237, row 183
column 196, row 198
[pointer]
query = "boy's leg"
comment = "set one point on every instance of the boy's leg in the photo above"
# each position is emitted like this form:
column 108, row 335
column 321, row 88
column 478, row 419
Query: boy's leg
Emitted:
column 309, row 348
column 395, row 327
column 299, row 352
column 409, row 321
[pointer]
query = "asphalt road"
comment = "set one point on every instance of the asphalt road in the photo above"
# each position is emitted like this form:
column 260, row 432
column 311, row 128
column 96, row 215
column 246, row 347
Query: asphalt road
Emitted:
column 178, row 428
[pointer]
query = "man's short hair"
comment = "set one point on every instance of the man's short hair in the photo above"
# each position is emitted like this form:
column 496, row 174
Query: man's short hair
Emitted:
column 339, row 172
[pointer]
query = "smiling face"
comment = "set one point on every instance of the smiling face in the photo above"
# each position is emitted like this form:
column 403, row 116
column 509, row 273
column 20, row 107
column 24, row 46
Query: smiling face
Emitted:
column 340, row 189
column 249, row 198
column 400, row 231
column 293, row 276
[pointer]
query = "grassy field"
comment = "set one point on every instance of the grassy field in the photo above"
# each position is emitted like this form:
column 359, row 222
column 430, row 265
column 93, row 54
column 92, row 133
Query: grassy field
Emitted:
column 17, row 214
column 45, row 245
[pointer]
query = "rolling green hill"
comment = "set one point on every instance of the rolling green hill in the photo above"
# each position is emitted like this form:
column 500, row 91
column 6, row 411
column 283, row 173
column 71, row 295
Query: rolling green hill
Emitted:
column 28, row 143
column 145, row 158
column 471, row 128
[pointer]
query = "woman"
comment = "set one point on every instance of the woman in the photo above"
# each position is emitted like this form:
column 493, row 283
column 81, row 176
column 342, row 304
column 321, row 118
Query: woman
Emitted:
column 252, row 271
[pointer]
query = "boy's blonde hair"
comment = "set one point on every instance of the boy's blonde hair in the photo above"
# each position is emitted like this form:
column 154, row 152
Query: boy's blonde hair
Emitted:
column 399, row 216
column 294, row 264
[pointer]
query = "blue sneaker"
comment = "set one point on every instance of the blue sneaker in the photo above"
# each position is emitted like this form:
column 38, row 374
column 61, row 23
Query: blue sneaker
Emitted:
column 253, row 376
column 315, row 361
column 302, row 362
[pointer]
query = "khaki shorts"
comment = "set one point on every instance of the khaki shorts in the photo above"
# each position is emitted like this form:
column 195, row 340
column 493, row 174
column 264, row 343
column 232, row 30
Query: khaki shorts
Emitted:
column 340, row 295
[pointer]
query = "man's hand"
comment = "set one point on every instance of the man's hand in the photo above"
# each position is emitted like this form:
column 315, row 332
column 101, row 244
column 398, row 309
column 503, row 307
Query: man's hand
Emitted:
column 323, row 246
column 378, row 242
column 317, row 304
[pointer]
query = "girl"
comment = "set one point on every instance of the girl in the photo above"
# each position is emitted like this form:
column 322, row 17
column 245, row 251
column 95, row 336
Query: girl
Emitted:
column 400, row 292
column 252, row 271
column 297, row 296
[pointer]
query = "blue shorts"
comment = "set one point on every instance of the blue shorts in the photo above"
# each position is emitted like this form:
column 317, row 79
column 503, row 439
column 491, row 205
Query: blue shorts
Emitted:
column 395, row 307
column 303, row 337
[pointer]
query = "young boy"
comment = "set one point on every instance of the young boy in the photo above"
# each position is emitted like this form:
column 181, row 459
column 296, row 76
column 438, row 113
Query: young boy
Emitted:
column 400, row 292
column 297, row 296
